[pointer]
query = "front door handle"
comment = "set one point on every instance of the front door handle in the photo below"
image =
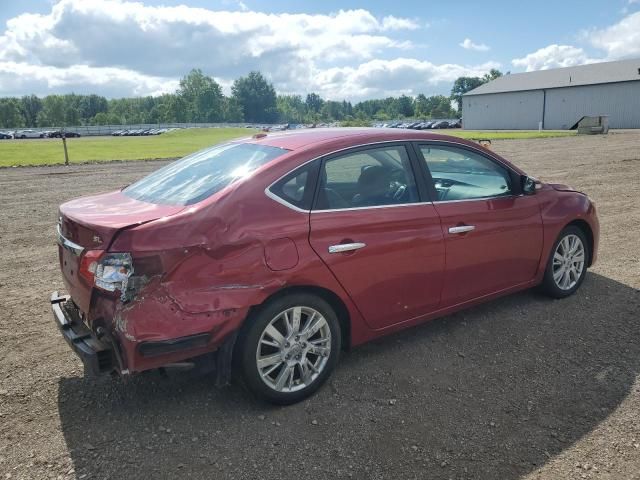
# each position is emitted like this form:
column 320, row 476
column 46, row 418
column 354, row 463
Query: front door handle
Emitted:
column 461, row 229
column 346, row 247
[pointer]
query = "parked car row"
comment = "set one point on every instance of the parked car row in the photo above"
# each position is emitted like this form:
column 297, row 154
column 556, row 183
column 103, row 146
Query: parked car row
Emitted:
column 292, row 126
column 427, row 125
column 28, row 133
column 58, row 134
column 137, row 132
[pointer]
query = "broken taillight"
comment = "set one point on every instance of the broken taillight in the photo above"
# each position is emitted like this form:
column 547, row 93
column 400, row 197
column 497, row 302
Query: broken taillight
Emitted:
column 88, row 263
column 107, row 271
column 113, row 271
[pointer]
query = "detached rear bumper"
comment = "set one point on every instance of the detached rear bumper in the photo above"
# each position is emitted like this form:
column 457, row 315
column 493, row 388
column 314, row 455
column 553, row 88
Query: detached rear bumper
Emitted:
column 97, row 356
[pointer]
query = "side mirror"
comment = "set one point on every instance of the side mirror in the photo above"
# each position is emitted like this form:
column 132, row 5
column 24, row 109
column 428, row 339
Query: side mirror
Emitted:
column 529, row 184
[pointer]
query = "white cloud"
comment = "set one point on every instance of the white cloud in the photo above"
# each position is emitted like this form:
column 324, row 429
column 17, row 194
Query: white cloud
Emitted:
column 20, row 78
column 378, row 78
column 394, row 23
column 619, row 40
column 467, row 44
column 124, row 48
column 553, row 56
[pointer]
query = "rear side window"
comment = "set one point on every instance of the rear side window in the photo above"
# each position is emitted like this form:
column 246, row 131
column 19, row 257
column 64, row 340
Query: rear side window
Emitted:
column 200, row 175
column 297, row 188
column 367, row 178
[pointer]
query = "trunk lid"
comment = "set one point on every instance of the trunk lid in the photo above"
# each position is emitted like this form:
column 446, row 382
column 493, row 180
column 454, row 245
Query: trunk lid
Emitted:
column 91, row 223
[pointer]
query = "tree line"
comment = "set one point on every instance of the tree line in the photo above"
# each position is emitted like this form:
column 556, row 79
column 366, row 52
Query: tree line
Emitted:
column 199, row 98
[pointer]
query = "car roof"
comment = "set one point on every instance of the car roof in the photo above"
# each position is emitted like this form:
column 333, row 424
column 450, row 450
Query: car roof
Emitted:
column 321, row 141
column 298, row 139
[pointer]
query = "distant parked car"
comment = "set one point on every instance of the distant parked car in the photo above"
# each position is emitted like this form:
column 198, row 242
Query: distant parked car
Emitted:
column 6, row 135
column 455, row 124
column 26, row 134
column 58, row 134
column 441, row 124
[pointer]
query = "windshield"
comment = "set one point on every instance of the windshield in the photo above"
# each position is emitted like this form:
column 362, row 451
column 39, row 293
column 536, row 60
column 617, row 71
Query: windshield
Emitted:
column 201, row 174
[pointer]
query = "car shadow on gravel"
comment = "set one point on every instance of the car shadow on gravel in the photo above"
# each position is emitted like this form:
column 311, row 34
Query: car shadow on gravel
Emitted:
column 492, row 392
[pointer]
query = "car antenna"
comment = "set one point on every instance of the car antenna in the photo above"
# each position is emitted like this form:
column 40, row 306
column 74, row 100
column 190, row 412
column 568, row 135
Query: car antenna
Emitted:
column 485, row 142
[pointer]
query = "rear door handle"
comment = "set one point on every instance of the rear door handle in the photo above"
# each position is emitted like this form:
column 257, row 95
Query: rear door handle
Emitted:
column 346, row 247
column 461, row 229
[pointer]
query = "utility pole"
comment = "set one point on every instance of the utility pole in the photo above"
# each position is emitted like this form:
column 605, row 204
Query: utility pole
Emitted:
column 64, row 144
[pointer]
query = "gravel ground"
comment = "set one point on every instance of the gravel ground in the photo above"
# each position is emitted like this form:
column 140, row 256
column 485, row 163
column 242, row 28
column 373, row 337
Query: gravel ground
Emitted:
column 524, row 387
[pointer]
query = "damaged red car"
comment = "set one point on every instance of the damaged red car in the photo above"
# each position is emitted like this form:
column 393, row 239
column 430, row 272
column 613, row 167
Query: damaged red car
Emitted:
column 269, row 255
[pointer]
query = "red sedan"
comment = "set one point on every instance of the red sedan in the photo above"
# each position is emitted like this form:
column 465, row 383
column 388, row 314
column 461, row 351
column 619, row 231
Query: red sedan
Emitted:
column 274, row 253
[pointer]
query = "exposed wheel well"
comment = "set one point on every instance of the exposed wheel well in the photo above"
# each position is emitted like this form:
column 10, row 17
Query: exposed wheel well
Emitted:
column 327, row 295
column 586, row 229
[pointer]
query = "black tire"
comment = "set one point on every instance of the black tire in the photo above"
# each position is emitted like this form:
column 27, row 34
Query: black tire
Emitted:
column 549, row 285
column 250, row 338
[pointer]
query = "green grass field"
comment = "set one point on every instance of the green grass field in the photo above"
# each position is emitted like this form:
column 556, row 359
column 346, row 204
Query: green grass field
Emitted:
column 178, row 143
column 170, row 145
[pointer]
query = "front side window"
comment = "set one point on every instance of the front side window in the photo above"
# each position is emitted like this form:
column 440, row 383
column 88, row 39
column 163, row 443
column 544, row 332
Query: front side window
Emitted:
column 367, row 178
column 460, row 174
column 200, row 175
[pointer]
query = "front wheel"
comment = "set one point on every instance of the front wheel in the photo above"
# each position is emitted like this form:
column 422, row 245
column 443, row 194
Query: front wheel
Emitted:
column 567, row 264
column 290, row 348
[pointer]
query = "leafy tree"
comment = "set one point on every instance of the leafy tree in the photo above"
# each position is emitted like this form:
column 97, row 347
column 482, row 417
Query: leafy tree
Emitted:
column 492, row 75
column 91, row 105
column 30, row 105
column 257, row 97
column 313, row 102
column 203, row 97
column 200, row 99
column 232, row 110
column 104, row 118
column 405, row 106
column 461, row 86
column 10, row 113
column 291, row 108
column 176, row 109
column 53, row 111
column 332, row 111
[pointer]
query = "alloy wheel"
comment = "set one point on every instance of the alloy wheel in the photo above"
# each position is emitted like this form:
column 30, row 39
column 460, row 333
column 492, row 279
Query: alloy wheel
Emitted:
column 294, row 349
column 568, row 262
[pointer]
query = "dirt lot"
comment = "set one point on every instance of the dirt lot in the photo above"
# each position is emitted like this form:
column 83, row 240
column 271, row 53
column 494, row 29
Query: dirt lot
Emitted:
column 524, row 387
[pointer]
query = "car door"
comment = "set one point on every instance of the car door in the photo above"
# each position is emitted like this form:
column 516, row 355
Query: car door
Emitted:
column 493, row 233
column 380, row 239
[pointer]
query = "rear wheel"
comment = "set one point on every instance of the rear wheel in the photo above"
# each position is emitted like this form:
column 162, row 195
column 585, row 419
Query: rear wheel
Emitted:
column 567, row 264
column 290, row 348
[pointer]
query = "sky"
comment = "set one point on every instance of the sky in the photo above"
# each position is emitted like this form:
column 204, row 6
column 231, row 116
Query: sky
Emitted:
column 339, row 49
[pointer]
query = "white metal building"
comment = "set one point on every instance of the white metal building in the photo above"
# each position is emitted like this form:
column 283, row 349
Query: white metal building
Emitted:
column 558, row 98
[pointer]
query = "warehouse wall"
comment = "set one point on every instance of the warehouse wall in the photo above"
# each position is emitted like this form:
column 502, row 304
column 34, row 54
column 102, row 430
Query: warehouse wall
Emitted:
column 503, row 111
column 563, row 107
column 621, row 101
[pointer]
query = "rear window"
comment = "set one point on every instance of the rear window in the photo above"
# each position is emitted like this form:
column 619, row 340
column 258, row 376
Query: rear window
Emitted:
column 200, row 175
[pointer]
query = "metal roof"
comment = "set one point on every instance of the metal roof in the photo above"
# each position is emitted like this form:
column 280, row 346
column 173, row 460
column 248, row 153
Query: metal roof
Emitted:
column 591, row 74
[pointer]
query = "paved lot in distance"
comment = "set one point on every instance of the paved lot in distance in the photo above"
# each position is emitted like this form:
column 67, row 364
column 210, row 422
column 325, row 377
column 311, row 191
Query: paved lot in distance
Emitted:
column 524, row 387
